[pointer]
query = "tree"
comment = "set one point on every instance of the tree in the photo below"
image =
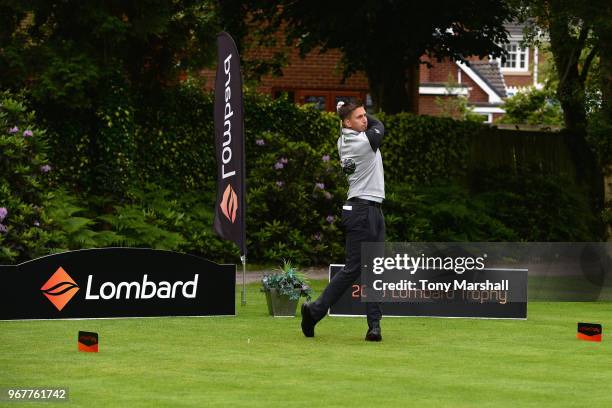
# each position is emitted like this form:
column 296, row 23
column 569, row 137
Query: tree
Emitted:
column 70, row 52
column 383, row 38
column 84, row 64
column 579, row 32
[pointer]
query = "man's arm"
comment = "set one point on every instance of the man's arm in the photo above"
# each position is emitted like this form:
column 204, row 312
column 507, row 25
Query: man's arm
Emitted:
column 374, row 132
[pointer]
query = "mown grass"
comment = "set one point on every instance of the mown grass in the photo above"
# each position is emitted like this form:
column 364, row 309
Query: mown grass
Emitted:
column 253, row 360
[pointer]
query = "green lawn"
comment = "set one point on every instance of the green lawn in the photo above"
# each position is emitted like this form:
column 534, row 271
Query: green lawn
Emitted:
column 254, row 360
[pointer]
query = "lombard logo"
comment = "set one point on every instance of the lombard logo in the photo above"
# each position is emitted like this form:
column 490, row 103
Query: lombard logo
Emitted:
column 141, row 290
column 229, row 203
column 60, row 288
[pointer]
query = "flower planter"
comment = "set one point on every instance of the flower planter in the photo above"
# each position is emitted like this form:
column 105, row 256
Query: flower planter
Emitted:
column 280, row 305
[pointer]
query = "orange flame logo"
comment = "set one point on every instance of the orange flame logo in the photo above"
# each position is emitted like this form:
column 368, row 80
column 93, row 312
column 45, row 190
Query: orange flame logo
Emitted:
column 60, row 288
column 229, row 203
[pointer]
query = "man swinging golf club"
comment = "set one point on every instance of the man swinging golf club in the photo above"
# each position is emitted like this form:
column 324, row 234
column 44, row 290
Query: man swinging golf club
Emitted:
column 362, row 217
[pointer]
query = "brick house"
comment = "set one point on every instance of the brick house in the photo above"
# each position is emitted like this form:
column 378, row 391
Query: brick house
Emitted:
column 317, row 79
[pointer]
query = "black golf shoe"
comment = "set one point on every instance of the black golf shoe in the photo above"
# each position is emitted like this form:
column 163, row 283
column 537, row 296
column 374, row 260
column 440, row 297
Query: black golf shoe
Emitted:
column 308, row 322
column 373, row 334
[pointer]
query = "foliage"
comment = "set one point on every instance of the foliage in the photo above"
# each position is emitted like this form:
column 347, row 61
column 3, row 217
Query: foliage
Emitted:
column 421, row 149
column 578, row 31
column 65, row 51
column 37, row 216
column 533, row 107
column 598, row 135
column 294, row 186
column 235, row 18
column 24, row 177
column 71, row 226
column 288, row 282
column 151, row 216
column 538, row 207
column 87, row 61
column 391, row 39
column 441, row 213
column 500, row 204
column 457, row 108
column 147, row 219
column 294, row 194
column 173, row 140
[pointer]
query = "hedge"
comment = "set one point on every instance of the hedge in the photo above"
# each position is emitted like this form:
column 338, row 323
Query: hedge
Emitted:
column 147, row 178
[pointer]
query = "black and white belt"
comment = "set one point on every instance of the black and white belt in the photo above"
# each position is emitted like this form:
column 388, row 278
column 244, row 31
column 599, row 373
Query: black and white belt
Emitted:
column 356, row 200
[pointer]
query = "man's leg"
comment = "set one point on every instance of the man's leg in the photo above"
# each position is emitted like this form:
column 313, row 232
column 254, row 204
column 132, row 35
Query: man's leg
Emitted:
column 374, row 309
column 356, row 224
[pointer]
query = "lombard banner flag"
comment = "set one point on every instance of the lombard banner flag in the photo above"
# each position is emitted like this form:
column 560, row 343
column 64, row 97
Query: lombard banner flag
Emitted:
column 117, row 282
column 229, row 220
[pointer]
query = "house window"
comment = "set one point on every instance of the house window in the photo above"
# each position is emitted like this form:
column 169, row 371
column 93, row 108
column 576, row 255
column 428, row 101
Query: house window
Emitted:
column 326, row 100
column 518, row 58
column 319, row 101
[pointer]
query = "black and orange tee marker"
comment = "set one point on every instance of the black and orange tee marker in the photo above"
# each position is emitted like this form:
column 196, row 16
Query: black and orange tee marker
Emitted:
column 88, row 341
column 589, row 331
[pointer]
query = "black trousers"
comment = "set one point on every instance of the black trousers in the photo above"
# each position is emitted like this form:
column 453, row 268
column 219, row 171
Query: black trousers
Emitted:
column 362, row 223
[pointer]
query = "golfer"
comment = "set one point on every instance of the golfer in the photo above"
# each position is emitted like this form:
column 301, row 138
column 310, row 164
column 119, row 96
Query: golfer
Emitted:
column 362, row 217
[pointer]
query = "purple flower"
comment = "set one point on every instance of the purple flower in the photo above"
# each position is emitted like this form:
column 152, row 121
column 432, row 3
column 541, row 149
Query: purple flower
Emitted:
column 3, row 228
column 36, row 224
column 327, row 195
column 317, row 236
column 325, row 158
column 284, row 160
column 260, row 142
column 28, row 133
column 330, row 219
column 13, row 130
column 45, row 169
column 280, row 183
column 278, row 165
column 320, row 186
column 3, row 213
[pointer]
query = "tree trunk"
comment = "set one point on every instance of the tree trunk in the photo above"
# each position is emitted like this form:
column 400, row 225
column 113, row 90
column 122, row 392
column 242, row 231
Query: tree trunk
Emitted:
column 605, row 67
column 570, row 93
column 413, row 80
column 394, row 88
column 566, row 51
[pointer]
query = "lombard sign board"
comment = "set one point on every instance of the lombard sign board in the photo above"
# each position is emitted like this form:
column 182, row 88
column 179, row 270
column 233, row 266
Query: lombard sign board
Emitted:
column 486, row 294
column 117, row 282
column 476, row 279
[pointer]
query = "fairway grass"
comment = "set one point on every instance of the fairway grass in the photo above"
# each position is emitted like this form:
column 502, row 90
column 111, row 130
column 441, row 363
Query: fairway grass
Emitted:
column 253, row 360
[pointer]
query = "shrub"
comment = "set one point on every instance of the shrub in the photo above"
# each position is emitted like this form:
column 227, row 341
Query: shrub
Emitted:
column 423, row 149
column 175, row 138
column 440, row 213
column 295, row 192
column 24, row 172
column 294, row 186
column 93, row 148
column 533, row 107
column 538, row 207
